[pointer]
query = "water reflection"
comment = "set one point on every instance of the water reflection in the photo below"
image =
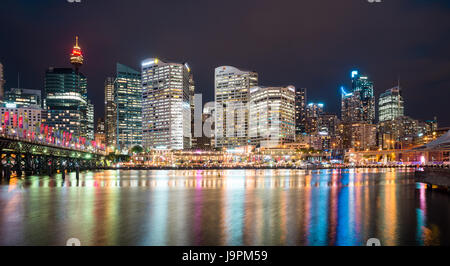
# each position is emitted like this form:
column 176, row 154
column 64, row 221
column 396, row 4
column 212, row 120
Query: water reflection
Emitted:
column 224, row 207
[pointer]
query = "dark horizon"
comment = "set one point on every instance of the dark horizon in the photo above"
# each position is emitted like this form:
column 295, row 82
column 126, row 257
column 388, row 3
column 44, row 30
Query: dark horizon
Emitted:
column 301, row 43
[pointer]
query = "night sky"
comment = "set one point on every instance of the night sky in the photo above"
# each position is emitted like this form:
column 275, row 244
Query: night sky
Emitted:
column 305, row 43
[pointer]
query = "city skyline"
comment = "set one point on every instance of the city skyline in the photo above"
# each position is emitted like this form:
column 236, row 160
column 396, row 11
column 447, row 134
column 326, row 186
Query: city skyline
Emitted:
column 298, row 65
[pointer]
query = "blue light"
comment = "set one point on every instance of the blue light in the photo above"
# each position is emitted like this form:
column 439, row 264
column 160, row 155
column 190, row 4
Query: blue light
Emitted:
column 355, row 73
column 344, row 92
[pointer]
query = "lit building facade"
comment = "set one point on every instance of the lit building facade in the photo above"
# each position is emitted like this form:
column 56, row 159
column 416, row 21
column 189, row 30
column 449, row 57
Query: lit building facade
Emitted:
column 364, row 87
column 358, row 136
column 20, row 120
column 350, row 106
column 232, row 93
column 65, row 100
column 300, row 110
column 110, row 113
column 90, row 121
column 166, row 108
column 271, row 116
column 24, row 97
column 398, row 133
column 328, row 124
column 128, row 108
column 358, row 105
column 391, row 105
column 313, row 113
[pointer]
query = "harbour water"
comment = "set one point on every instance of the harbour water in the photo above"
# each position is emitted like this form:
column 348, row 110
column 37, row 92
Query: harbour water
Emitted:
column 224, row 207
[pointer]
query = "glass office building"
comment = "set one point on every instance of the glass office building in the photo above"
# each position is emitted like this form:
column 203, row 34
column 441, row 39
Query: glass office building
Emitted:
column 66, row 103
column 128, row 108
column 166, row 108
column 363, row 87
column 391, row 104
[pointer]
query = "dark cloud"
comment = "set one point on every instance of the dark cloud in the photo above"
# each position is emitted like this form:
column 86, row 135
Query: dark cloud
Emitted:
column 307, row 43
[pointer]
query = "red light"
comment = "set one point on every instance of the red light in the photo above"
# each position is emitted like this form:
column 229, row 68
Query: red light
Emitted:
column 76, row 52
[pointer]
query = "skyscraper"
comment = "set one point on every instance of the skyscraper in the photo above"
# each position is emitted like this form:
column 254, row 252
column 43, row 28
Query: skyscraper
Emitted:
column 2, row 82
column 166, row 109
column 391, row 104
column 128, row 104
column 66, row 103
column 362, row 86
column 232, row 87
column 350, row 106
column 271, row 116
column 65, row 98
column 313, row 113
column 110, row 113
column 300, row 111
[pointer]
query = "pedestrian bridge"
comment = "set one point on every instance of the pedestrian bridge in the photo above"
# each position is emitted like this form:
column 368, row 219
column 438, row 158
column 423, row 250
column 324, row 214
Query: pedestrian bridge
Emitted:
column 37, row 156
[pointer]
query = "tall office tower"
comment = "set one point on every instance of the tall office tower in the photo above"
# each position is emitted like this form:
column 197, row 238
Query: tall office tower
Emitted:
column 65, row 98
column 128, row 103
column 90, row 121
column 66, row 103
column 300, row 111
column 24, row 97
column 110, row 113
column 271, row 116
column 166, row 110
column 232, row 93
column 313, row 113
column 391, row 104
column 350, row 106
column 2, row 82
column 362, row 86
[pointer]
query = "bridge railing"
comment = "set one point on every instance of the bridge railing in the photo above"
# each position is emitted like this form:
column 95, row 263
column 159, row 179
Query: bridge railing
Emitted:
column 43, row 142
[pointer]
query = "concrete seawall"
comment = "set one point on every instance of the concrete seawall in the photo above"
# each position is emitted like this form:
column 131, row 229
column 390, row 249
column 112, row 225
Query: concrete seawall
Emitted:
column 435, row 176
